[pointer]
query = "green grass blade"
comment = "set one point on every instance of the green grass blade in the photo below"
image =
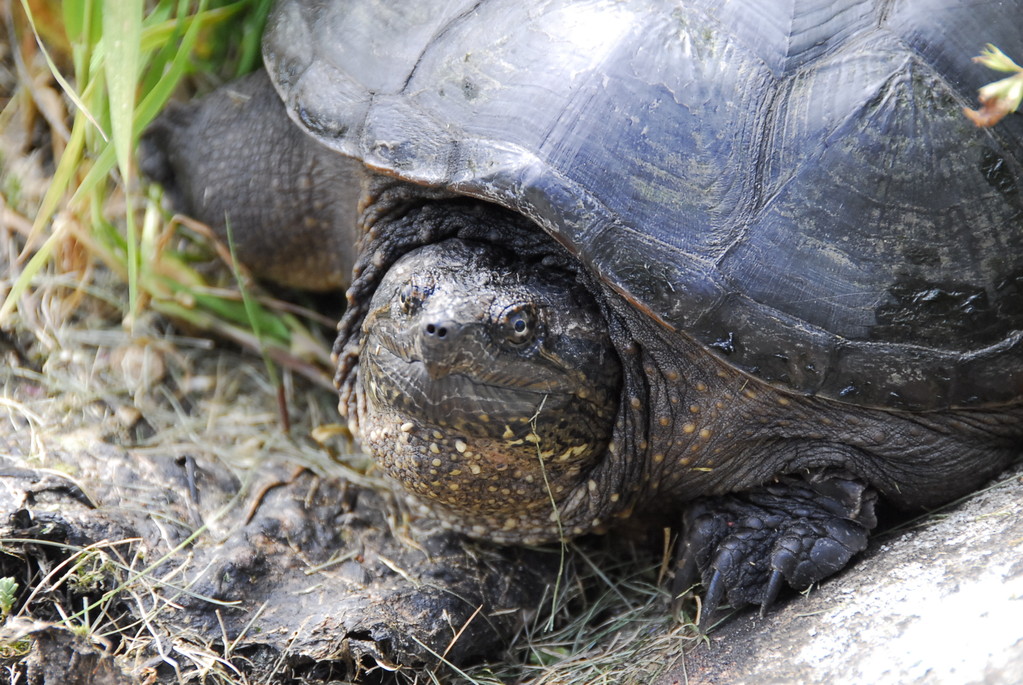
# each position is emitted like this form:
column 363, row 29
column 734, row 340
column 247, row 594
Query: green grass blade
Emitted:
column 122, row 33
column 251, row 46
column 71, row 92
column 153, row 102
column 62, row 179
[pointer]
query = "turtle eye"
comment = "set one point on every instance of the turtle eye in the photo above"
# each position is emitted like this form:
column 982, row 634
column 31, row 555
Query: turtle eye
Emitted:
column 410, row 297
column 518, row 324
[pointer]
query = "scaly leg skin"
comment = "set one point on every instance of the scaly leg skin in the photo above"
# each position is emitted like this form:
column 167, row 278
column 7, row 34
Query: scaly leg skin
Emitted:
column 234, row 159
column 796, row 530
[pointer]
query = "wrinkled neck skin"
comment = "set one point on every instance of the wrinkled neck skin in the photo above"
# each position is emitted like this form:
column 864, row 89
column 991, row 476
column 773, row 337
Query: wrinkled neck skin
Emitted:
column 704, row 428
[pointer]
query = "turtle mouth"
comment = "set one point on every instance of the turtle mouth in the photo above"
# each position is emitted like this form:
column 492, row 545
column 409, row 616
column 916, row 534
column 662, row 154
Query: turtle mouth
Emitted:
column 486, row 397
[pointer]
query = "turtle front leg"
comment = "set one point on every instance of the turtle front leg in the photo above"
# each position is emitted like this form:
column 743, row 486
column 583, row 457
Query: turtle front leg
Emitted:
column 794, row 530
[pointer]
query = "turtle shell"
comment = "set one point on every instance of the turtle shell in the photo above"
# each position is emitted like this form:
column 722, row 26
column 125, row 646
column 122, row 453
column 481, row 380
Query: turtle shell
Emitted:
column 793, row 184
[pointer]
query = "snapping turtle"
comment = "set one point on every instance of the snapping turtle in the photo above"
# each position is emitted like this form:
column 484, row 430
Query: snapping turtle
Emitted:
column 745, row 264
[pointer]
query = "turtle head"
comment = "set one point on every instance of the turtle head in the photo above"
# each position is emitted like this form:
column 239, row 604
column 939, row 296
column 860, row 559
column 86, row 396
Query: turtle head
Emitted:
column 489, row 386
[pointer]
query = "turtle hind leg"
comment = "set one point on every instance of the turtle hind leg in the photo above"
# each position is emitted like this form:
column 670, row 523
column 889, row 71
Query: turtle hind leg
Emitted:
column 235, row 161
column 793, row 531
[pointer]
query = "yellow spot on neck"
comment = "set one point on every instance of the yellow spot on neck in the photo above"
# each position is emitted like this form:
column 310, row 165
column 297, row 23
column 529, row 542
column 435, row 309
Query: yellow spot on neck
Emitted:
column 572, row 452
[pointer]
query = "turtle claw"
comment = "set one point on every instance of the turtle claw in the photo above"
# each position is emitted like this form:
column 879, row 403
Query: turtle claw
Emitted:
column 774, row 586
column 795, row 531
column 712, row 598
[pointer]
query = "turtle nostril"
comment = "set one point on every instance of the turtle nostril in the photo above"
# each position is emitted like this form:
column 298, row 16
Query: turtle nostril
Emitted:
column 437, row 331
